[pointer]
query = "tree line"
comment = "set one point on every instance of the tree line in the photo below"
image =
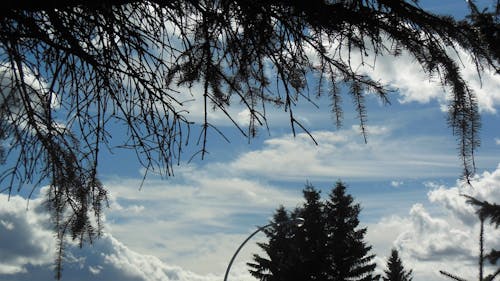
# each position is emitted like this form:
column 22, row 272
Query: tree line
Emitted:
column 329, row 246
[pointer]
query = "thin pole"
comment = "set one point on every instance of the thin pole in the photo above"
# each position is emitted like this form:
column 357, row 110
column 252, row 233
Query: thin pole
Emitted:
column 297, row 221
column 241, row 246
column 481, row 248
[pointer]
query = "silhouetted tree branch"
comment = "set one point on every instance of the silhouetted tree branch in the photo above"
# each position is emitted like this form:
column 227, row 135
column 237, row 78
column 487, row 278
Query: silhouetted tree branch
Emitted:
column 485, row 210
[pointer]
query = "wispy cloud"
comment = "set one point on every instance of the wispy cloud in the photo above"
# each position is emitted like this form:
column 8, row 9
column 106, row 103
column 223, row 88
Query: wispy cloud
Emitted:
column 344, row 154
column 207, row 209
column 195, row 219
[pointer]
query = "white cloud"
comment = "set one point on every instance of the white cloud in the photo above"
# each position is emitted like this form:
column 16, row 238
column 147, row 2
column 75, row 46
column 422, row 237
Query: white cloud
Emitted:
column 396, row 183
column 21, row 243
column 344, row 154
column 445, row 238
column 405, row 74
column 195, row 219
column 28, row 248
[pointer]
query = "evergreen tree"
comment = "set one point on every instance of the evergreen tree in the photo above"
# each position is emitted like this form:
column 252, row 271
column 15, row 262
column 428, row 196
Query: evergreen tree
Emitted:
column 349, row 254
column 311, row 238
column 327, row 247
column 395, row 270
column 280, row 264
column 485, row 211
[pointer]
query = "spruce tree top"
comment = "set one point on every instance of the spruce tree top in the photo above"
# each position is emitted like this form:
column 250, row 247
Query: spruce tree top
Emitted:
column 395, row 270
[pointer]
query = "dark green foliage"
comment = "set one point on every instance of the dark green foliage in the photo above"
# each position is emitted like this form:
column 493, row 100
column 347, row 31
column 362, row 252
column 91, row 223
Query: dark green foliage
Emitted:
column 283, row 254
column 312, row 238
column 395, row 270
column 329, row 246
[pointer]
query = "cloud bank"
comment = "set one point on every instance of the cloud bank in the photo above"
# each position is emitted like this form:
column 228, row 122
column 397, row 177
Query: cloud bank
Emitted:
column 440, row 234
column 445, row 235
column 28, row 247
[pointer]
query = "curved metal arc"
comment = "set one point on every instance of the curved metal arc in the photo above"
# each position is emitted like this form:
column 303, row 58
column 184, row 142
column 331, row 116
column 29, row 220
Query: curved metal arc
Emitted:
column 298, row 222
column 241, row 246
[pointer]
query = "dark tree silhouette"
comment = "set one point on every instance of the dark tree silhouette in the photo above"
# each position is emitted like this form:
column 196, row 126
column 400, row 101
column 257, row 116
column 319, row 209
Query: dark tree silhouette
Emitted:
column 324, row 248
column 395, row 270
column 282, row 253
column 311, row 239
column 487, row 23
column 490, row 211
column 348, row 252
column 70, row 69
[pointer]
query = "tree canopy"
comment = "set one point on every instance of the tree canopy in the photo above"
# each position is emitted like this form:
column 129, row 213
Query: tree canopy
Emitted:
column 71, row 69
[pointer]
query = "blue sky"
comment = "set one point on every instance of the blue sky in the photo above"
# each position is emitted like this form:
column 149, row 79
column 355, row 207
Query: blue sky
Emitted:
column 187, row 227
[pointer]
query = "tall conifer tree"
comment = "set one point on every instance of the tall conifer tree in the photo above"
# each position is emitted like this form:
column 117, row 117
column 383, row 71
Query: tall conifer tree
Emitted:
column 278, row 266
column 311, row 238
column 349, row 254
column 395, row 270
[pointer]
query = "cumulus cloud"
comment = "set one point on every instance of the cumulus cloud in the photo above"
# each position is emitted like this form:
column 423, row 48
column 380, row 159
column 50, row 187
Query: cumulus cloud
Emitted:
column 22, row 244
column 444, row 234
column 28, row 246
column 414, row 85
column 406, row 75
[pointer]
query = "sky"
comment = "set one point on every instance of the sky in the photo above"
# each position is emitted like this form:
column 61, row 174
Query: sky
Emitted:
column 187, row 227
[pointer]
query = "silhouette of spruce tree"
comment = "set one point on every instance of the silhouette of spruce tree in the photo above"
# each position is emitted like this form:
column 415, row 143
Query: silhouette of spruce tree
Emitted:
column 281, row 264
column 324, row 248
column 349, row 254
column 311, row 238
column 395, row 270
